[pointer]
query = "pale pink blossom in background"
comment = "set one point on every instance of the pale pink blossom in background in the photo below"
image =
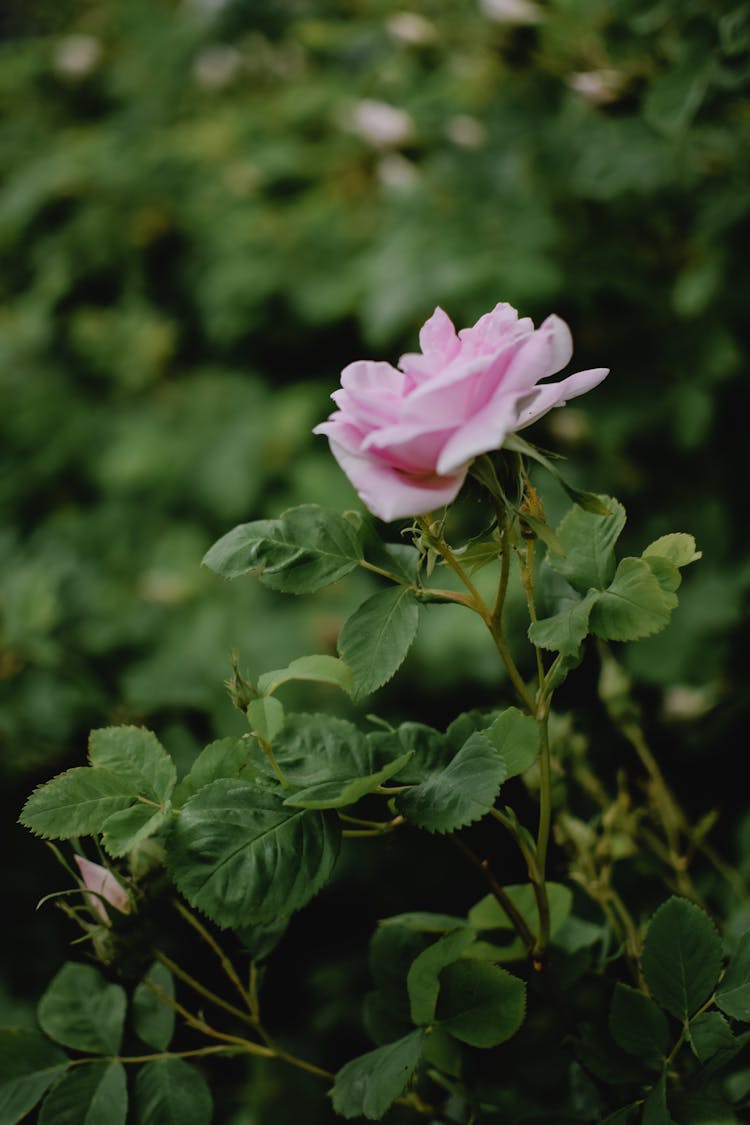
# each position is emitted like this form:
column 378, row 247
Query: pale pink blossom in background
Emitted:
column 511, row 11
column 380, row 124
column 411, row 27
column 76, row 56
column 406, row 436
column 98, row 879
column 597, row 86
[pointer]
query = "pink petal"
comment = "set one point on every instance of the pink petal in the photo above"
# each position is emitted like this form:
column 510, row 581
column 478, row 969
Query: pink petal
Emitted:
column 548, row 395
column 543, row 354
column 496, row 329
column 438, row 338
column 372, row 375
column 103, row 883
column 391, row 494
column 410, row 447
column 486, row 431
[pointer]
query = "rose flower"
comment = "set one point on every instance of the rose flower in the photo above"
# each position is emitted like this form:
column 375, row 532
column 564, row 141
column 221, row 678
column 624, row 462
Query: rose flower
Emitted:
column 406, row 436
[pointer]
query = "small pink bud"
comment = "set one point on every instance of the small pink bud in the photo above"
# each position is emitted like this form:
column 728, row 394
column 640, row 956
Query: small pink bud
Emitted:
column 103, row 883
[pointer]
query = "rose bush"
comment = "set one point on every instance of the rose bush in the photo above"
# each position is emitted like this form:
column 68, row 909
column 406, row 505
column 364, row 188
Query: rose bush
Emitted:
column 405, row 436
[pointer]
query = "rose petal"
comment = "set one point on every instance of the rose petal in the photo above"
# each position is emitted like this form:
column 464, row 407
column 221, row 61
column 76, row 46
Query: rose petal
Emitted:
column 100, row 880
column 548, row 395
column 543, row 354
column 486, row 431
column 438, row 338
column 392, row 494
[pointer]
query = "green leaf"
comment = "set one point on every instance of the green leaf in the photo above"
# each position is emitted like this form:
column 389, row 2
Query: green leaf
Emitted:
column 516, row 737
column 76, row 803
column 442, row 1051
column 423, row 982
column 306, row 549
column 638, row 1025
column 679, row 548
column 153, row 1019
column 666, row 573
column 634, row 606
column 122, row 831
column 567, row 630
column 29, row 1064
column 93, row 1094
column 374, row 641
column 425, row 921
column 368, row 1085
column 681, row 957
column 336, row 793
column 320, row 669
column 171, row 1092
column 460, row 793
column 313, row 749
column 586, row 500
column 431, row 749
column 655, row 1109
column 227, row 757
column 708, row 1034
column 393, row 947
column 480, row 1004
column 487, row 914
column 241, row 857
column 475, row 556
column 588, row 541
column 260, row 939
column 136, row 754
column 674, row 97
column 733, row 994
column 266, row 717
column 80, row 1009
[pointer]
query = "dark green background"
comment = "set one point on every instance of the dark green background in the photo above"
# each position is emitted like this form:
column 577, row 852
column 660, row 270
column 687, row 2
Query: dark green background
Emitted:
column 195, row 240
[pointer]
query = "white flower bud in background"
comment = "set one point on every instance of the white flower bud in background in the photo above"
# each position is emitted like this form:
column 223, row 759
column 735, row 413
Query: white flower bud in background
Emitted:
column 511, row 11
column 597, row 86
column 380, row 124
column 76, row 56
column 411, row 28
column 216, row 66
column 395, row 171
column 466, row 131
column 683, row 702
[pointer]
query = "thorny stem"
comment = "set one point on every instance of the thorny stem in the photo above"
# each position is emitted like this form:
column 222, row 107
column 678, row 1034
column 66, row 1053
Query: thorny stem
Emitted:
column 670, row 814
column 201, row 989
column 499, row 893
column 213, row 944
column 545, row 819
column 491, row 618
column 536, row 878
column 541, row 713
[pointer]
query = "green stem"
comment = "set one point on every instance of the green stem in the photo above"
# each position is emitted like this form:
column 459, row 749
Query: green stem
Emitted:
column 492, row 618
column 542, row 842
column 495, row 620
column 197, row 1052
column 268, row 751
column 385, row 573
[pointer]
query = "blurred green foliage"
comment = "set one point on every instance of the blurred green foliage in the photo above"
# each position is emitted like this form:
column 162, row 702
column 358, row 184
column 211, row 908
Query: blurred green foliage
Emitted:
column 207, row 208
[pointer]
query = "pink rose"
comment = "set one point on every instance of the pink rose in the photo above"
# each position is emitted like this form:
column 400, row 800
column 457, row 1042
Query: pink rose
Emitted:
column 406, row 436
column 103, row 883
